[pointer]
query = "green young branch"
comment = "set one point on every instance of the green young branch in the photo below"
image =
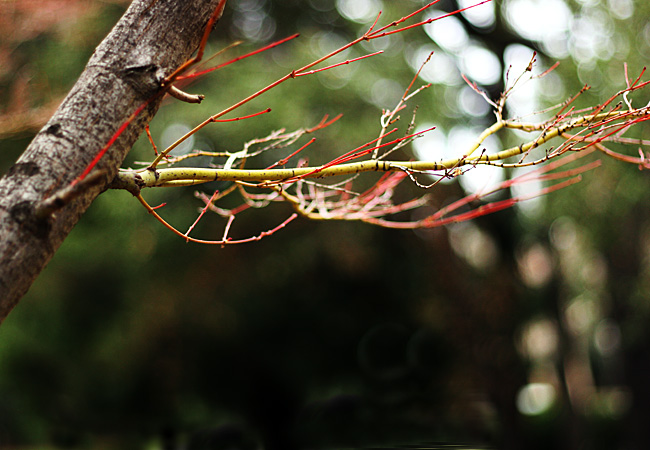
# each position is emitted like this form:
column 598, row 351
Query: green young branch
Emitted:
column 134, row 181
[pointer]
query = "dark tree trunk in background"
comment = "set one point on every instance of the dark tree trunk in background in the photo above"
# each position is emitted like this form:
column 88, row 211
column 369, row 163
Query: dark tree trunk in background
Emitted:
column 152, row 39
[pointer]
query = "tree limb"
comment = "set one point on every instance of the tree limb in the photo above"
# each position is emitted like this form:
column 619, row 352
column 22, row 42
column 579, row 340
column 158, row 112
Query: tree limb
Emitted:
column 151, row 40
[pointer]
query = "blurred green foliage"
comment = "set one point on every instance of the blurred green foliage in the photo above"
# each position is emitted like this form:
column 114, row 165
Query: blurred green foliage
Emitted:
column 342, row 335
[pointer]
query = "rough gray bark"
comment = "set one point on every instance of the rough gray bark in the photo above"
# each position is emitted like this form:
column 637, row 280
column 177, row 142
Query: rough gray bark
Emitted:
column 152, row 39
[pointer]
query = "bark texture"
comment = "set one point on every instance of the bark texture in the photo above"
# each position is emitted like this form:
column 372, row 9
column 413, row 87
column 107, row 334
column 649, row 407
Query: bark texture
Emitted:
column 152, row 39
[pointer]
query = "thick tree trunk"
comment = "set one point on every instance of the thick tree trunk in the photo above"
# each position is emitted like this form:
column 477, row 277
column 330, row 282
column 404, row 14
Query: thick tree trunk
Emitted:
column 152, row 39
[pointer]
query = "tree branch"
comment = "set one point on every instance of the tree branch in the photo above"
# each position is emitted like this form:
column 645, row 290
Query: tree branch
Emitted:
column 150, row 41
column 134, row 181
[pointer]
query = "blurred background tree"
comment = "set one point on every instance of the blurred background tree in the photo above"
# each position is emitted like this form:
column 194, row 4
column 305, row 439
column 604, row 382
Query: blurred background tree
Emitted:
column 524, row 329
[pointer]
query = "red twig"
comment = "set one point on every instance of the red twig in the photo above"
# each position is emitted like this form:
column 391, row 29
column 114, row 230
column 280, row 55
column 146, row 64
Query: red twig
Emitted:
column 216, row 14
column 283, row 161
column 207, row 205
column 347, row 61
column 111, row 141
column 219, row 242
column 324, row 123
column 239, row 58
column 267, row 110
column 425, row 22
